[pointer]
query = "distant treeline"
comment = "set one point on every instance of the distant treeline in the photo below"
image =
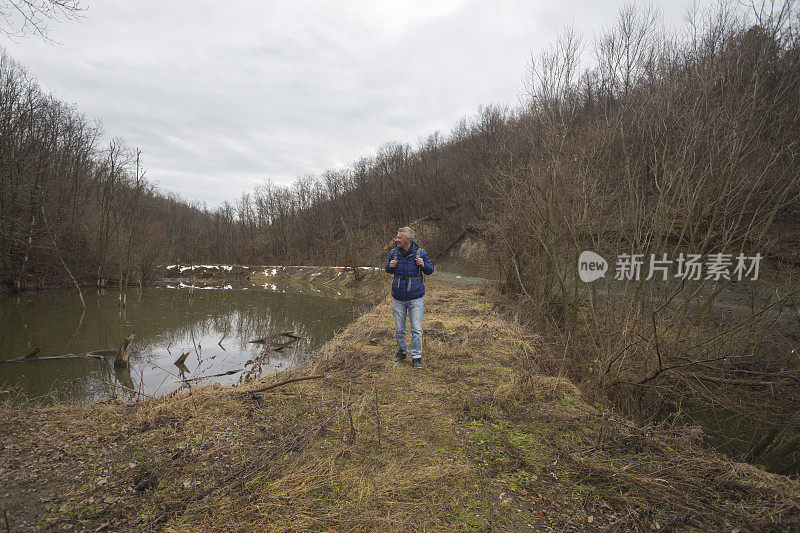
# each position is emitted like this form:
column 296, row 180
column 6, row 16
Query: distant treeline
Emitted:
column 71, row 207
column 345, row 216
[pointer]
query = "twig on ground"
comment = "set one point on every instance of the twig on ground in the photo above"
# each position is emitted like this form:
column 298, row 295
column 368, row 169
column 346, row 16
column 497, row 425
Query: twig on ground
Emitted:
column 284, row 382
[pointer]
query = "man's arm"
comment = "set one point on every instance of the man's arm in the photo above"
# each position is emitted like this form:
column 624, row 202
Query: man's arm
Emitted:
column 428, row 268
column 389, row 269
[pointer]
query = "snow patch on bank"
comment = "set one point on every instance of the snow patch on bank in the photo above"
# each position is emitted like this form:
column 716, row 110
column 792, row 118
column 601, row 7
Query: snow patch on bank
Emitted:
column 183, row 268
column 183, row 285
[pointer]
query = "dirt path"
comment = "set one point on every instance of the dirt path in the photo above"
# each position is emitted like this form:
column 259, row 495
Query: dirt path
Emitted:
column 473, row 441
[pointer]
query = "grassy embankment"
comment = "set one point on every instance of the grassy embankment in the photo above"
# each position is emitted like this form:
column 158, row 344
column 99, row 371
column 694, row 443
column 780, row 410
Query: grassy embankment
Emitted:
column 467, row 443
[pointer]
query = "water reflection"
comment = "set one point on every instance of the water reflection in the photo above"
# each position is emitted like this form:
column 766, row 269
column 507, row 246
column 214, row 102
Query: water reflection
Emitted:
column 214, row 326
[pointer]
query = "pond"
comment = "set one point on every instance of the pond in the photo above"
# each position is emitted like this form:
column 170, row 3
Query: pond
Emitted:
column 213, row 326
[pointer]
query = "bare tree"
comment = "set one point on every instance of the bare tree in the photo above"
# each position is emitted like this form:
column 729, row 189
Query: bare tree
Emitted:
column 20, row 18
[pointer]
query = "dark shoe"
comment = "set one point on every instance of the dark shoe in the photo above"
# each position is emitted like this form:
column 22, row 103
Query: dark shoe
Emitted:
column 400, row 356
column 417, row 363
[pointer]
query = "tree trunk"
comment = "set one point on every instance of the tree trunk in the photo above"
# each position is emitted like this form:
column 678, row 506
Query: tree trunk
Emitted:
column 124, row 352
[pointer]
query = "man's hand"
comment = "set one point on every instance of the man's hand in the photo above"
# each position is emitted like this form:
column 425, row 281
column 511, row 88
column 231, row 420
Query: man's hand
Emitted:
column 420, row 261
column 393, row 263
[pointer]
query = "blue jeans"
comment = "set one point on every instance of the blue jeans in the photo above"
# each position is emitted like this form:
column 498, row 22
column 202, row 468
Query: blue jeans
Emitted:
column 414, row 310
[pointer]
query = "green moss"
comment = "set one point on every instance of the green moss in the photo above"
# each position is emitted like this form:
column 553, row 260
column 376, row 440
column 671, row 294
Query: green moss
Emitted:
column 481, row 433
column 469, row 520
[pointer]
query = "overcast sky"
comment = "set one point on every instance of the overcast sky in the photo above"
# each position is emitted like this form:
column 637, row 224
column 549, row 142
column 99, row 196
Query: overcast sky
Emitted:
column 221, row 95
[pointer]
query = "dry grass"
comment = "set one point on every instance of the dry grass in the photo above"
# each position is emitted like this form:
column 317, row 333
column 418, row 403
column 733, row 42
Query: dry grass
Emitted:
column 468, row 443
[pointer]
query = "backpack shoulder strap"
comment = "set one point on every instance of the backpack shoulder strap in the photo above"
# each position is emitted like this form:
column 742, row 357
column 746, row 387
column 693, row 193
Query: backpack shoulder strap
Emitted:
column 419, row 252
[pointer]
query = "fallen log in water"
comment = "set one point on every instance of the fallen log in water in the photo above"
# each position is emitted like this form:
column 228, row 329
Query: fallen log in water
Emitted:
column 283, row 345
column 181, row 359
column 273, row 336
column 32, row 353
column 87, row 355
column 96, row 354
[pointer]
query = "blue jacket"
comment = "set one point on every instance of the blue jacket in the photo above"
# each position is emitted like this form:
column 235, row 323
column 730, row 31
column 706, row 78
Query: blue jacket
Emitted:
column 407, row 266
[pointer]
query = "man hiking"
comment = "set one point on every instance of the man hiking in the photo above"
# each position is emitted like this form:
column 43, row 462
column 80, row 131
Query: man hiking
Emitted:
column 408, row 262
